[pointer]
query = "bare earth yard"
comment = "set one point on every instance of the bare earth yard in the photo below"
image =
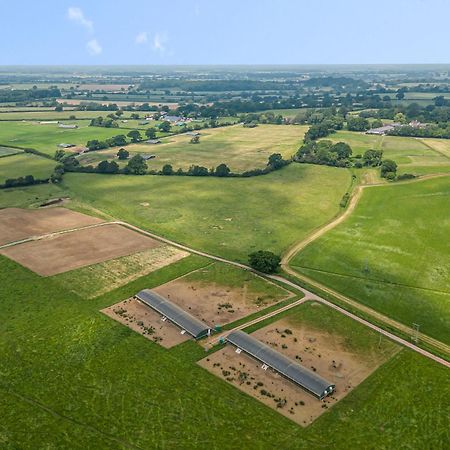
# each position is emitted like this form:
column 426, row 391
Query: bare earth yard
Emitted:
column 321, row 351
column 147, row 322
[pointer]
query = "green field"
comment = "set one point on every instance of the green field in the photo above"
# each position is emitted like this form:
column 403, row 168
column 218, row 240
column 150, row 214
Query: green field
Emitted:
column 389, row 256
column 46, row 137
column 45, row 114
column 7, row 151
column 230, row 217
column 23, row 164
column 413, row 155
column 68, row 374
column 240, row 148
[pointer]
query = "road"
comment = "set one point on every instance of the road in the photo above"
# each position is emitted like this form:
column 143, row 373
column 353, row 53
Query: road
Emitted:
column 307, row 294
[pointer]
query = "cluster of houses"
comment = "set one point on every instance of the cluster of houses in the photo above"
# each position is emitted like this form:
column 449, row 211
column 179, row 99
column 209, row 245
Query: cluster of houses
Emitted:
column 386, row 128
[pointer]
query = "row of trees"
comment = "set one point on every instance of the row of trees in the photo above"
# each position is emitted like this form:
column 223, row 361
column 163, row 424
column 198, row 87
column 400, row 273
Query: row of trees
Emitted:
column 28, row 180
column 325, row 152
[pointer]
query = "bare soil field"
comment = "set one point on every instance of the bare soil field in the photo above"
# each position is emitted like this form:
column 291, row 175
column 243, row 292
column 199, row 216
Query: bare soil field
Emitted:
column 61, row 253
column 17, row 224
column 213, row 303
column 147, row 322
column 320, row 351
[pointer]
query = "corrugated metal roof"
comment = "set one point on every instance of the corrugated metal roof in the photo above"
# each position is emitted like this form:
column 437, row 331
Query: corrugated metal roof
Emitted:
column 304, row 377
column 174, row 313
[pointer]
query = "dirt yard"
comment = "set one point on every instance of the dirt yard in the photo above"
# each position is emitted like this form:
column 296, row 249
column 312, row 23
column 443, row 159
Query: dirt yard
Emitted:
column 68, row 251
column 321, row 352
column 147, row 322
column 213, row 303
column 17, row 224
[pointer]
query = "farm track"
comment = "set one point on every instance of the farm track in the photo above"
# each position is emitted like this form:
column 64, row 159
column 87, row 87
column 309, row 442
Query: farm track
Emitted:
column 307, row 294
column 287, row 257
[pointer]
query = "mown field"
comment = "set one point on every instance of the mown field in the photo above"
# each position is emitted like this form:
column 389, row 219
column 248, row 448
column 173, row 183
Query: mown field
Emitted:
column 413, row 155
column 68, row 374
column 240, row 148
column 230, row 217
column 392, row 254
column 23, row 164
column 46, row 137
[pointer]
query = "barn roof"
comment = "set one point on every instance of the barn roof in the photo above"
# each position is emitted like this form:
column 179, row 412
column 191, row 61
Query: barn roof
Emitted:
column 300, row 375
column 174, row 313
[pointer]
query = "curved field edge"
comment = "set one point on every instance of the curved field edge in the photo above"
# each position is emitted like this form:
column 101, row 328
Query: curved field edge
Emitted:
column 228, row 217
column 386, row 255
column 88, row 379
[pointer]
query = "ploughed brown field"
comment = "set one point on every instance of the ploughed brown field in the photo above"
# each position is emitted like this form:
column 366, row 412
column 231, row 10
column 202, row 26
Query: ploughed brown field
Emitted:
column 68, row 251
column 17, row 224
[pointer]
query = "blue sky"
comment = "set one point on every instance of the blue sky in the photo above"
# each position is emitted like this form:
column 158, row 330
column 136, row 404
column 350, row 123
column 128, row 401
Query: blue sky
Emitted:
column 225, row 32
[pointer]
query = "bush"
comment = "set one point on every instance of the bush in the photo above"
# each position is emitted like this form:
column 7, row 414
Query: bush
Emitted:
column 406, row 176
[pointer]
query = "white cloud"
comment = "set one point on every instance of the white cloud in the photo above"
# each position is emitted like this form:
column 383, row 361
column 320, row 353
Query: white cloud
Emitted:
column 93, row 47
column 76, row 15
column 159, row 42
column 142, row 37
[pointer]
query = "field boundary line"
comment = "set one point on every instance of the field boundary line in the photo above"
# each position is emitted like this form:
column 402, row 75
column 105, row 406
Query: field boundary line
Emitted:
column 373, row 280
column 423, row 140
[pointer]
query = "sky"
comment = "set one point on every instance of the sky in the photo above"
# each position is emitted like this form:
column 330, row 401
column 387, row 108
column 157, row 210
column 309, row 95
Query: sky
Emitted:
column 98, row 32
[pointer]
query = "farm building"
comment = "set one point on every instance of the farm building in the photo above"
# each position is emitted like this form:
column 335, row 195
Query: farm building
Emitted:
column 305, row 378
column 148, row 157
column 188, row 323
column 64, row 145
column 153, row 141
column 382, row 130
column 193, row 133
column 67, row 126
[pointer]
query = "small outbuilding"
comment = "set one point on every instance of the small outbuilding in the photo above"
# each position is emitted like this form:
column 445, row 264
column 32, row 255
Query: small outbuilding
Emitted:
column 68, row 126
column 153, row 141
column 187, row 322
column 303, row 377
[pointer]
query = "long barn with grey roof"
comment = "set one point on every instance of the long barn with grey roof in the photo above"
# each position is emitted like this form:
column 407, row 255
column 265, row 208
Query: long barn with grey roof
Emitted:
column 295, row 372
column 195, row 327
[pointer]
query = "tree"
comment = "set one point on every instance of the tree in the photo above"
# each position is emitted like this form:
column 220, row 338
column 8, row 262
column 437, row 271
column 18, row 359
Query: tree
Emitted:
column 164, row 126
column 372, row 157
column 134, row 135
column 342, row 150
column 400, row 95
column 388, row 168
column 195, row 140
column 198, row 171
column 59, row 154
column 439, row 100
column 222, row 170
column 118, row 140
column 400, row 118
column 150, row 133
column 276, row 161
column 136, row 165
column 123, row 154
column 59, row 108
column 134, row 116
column 264, row 261
column 377, row 123
column 107, row 167
column 167, row 169
column 357, row 124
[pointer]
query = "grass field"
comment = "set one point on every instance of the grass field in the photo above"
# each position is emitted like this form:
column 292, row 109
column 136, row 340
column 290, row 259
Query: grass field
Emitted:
column 46, row 137
column 69, row 374
column 23, row 164
column 388, row 256
column 240, row 148
column 230, row 217
column 413, row 155
column 45, row 114
column 7, row 151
